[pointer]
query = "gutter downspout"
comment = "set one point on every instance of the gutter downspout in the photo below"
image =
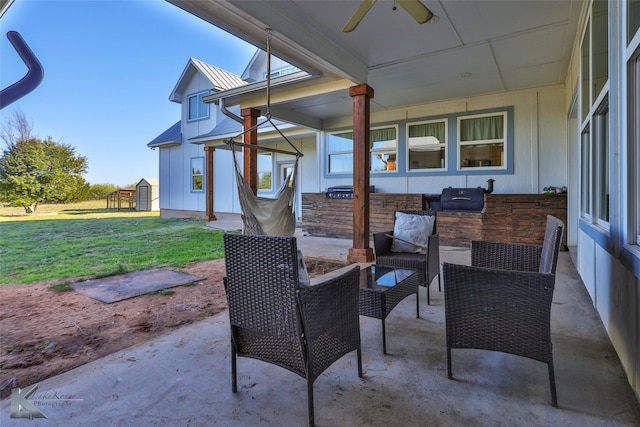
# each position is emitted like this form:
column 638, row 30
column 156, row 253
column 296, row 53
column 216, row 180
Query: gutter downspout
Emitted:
column 228, row 113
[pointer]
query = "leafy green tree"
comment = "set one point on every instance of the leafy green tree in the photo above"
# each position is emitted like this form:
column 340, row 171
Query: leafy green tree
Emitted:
column 100, row 191
column 34, row 171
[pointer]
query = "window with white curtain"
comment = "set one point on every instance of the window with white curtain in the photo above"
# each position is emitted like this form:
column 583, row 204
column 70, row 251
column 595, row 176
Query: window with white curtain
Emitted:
column 482, row 141
column 427, row 145
column 384, row 150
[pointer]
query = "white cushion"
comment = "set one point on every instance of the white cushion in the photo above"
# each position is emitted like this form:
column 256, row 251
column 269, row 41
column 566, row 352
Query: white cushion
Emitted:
column 412, row 228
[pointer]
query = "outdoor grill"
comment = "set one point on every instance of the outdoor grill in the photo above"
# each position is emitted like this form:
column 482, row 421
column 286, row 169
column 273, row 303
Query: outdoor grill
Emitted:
column 344, row 191
column 462, row 199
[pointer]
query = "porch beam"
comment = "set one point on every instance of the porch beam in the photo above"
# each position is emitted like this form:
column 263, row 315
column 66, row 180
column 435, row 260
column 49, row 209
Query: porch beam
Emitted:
column 250, row 157
column 209, row 193
column 361, row 252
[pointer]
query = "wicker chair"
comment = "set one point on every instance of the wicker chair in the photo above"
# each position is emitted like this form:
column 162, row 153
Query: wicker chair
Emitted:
column 503, row 301
column 273, row 319
column 427, row 265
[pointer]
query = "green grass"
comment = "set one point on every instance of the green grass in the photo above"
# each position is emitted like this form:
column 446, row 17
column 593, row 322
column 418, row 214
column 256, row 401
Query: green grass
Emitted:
column 87, row 241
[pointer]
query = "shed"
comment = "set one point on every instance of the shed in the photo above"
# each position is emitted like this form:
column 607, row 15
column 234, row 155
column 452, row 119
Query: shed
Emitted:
column 148, row 194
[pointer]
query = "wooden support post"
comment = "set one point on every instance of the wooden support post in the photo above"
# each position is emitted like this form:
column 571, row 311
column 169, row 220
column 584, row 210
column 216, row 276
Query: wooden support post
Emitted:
column 250, row 157
column 209, row 193
column 361, row 252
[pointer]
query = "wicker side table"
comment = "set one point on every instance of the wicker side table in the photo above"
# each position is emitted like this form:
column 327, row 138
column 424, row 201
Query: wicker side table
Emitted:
column 382, row 288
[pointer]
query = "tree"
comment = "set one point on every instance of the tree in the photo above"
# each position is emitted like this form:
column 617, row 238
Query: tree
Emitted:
column 34, row 171
column 100, row 191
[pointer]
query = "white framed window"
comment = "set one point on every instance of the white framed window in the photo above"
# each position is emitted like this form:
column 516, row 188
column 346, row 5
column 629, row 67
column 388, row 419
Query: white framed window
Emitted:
column 595, row 146
column 290, row 69
column 482, row 141
column 427, row 145
column 585, row 174
column 265, row 172
column 601, row 162
column 340, row 153
column 198, row 109
column 384, row 150
column 633, row 119
column 633, row 19
column 197, row 174
column 585, row 71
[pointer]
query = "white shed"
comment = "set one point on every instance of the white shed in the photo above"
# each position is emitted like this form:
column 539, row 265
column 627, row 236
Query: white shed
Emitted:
column 148, row 194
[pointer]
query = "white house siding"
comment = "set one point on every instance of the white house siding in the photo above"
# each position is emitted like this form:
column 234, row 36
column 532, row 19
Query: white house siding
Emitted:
column 225, row 197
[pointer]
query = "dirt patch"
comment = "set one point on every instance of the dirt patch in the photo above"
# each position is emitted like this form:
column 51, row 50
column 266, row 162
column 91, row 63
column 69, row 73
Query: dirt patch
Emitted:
column 45, row 333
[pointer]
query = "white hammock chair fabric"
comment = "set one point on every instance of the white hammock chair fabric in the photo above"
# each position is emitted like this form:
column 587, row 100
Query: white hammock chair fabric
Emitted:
column 268, row 216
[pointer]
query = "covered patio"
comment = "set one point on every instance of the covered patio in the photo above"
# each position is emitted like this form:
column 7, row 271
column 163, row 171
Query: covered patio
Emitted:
column 184, row 379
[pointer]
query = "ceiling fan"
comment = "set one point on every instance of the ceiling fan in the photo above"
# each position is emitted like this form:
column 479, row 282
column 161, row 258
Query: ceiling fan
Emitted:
column 417, row 10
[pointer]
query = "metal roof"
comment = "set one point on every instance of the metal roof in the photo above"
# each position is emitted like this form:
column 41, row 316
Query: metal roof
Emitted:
column 171, row 136
column 221, row 79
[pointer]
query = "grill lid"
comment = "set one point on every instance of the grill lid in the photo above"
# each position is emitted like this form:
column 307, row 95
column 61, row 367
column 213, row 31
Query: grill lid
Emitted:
column 462, row 199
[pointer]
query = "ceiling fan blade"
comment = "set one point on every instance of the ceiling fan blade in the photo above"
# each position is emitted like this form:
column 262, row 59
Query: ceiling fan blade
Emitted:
column 357, row 16
column 417, row 10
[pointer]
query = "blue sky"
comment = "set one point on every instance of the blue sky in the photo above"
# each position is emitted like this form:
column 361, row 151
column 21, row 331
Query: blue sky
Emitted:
column 109, row 67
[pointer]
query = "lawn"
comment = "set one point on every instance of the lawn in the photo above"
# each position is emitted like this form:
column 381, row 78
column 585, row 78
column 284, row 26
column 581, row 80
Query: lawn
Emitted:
column 85, row 240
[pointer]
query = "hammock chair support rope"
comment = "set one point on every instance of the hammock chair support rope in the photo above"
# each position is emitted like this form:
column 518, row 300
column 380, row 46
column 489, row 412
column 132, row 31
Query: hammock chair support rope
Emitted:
column 260, row 215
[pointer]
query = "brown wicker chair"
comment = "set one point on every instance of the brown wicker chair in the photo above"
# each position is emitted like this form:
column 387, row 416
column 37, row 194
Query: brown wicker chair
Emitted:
column 427, row 265
column 273, row 319
column 503, row 301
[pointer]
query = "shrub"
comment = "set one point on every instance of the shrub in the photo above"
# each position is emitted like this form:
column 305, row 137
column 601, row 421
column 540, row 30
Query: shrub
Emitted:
column 100, row 191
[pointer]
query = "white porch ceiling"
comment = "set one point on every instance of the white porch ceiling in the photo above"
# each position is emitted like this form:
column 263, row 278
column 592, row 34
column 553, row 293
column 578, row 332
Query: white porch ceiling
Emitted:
column 504, row 45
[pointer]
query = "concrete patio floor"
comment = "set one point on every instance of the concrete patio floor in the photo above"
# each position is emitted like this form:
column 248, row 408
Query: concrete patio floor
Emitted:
column 183, row 378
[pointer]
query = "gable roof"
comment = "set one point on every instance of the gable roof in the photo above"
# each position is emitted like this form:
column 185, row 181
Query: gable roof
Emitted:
column 220, row 79
column 171, row 136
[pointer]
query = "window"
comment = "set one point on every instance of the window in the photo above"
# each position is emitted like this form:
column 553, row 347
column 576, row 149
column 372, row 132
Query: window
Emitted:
column 198, row 109
column 427, row 145
column 340, row 152
column 265, row 171
column 197, row 174
column 384, row 151
column 481, row 141
column 601, row 161
column 601, row 141
column 633, row 18
column 586, row 77
column 633, row 164
column 585, row 174
column 595, row 147
column 281, row 72
column 600, row 47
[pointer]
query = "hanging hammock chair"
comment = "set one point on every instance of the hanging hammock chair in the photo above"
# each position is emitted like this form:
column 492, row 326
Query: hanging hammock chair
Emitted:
column 267, row 216
column 262, row 215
